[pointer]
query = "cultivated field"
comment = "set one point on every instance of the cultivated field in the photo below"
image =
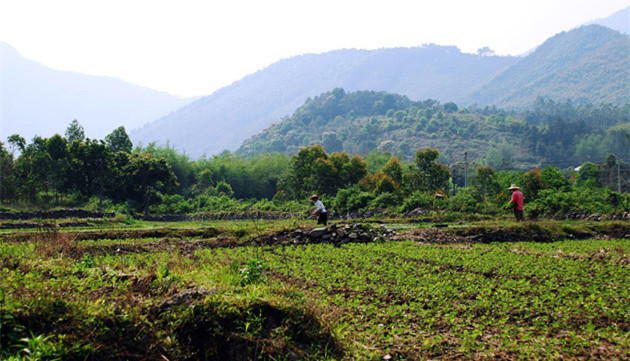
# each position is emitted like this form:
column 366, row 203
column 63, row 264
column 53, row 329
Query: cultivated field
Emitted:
column 263, row 289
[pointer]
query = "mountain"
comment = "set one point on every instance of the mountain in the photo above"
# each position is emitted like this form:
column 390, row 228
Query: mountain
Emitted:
column 588, row 64
column 36, row 100
column 224, row 119
column 362, row 121
column 619, row 21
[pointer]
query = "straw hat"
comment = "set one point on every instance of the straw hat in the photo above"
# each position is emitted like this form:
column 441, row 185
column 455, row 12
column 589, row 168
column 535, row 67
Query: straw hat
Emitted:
column 314, row 196
column 513, row 187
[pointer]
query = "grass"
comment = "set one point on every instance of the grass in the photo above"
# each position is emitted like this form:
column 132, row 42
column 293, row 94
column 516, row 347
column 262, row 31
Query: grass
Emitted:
column 168, row 298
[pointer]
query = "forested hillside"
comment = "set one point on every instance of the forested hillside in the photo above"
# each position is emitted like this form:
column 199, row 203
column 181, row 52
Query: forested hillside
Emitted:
column 361, row 122
column 590, row 65
column 586, row 65
column 226, row 118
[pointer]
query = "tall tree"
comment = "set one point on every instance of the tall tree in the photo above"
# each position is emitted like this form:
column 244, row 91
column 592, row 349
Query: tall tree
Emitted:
column 425, row 174
column 17, row 141
column 57, row 148
column 118, row 140
column 146, row 175
column 75, row 131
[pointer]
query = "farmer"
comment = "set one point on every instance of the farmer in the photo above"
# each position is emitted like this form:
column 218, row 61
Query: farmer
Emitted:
column 320, row 210
column 516, row 202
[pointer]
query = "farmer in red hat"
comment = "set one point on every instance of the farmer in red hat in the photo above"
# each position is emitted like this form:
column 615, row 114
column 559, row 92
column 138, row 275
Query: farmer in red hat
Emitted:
column 516, row 202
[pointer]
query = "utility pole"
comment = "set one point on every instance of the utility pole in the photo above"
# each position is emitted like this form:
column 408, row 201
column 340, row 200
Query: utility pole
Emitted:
column 465, row 169
column 618, row 177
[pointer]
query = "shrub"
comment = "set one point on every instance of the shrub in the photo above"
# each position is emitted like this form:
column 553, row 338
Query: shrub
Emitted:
column 466, row 200
column 417, row 199
column 352, row 199
column 385, row 200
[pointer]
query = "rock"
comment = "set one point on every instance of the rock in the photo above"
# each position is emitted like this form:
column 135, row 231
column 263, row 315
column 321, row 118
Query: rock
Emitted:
column 318, row 232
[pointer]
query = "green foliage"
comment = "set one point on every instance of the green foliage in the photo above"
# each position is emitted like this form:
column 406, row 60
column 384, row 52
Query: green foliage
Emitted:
column 583, row 200
column 417, row 199
column 75, row 132
column 223, row 188
column 385, row 200
column 352, row 199
column 40, row 347
column 118, row 140
column 394, row 169
column 467, row 200
column 251, row 272
column 425, row 174
column 360, row 122
column 485, row 181
column 314, row 171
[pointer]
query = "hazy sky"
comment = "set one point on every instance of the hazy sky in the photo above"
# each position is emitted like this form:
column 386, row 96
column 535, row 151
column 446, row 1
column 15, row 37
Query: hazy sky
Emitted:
column 195, row 47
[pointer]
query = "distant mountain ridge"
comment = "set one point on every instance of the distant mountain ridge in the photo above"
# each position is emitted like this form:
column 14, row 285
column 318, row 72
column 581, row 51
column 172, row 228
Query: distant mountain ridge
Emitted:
column 226, row 118
column 619, row 21
column 587, row 64
column 37, row 100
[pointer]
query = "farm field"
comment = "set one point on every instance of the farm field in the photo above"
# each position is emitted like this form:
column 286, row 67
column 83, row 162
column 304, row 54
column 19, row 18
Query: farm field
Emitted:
column 214, row 290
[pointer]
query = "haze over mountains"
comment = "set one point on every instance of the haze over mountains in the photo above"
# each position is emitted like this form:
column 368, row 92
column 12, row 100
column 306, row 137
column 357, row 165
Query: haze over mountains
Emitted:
column 226, row 118
column 37, row 100
column 587, row 64
column 590, row 64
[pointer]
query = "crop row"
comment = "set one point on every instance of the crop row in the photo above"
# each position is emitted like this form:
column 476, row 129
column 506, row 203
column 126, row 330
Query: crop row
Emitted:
column 435, row 300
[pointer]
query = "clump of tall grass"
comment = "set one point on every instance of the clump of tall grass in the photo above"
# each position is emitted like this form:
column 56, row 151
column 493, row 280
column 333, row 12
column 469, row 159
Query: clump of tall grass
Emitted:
column 50, row 242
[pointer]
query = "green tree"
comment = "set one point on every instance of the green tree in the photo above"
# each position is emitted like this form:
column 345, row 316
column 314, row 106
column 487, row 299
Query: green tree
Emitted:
column 302, row 175
column 205, row 179
column 118, row 140
column 485, row 181
column 145, row 176
column 425, row 174
column 591, row 147
column 531, row 184
column 32, row 169
column 17, row 141
column 57, row 148
column 7, row 179
column 589, row 176
column 394, row 169
column 75, row 131
column 180, row 164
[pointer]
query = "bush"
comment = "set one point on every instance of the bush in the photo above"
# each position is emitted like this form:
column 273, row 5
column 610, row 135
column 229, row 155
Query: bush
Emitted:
column 467, row 200
column 352, row 199
column 417, row 199
column 585, row 200
column 385, row 200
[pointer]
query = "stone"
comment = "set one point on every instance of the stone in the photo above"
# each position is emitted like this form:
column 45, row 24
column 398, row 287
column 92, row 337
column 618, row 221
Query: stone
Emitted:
column 318, row 232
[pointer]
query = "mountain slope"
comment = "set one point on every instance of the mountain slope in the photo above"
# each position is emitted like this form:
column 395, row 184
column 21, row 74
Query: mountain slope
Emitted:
column 591, row 64
column 619, row 21
column 362, row 121
column 36, row 100
column 226, row 118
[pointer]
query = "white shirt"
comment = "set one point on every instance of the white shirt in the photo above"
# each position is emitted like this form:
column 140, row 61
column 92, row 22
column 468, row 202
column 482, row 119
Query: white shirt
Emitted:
column 320, row 206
